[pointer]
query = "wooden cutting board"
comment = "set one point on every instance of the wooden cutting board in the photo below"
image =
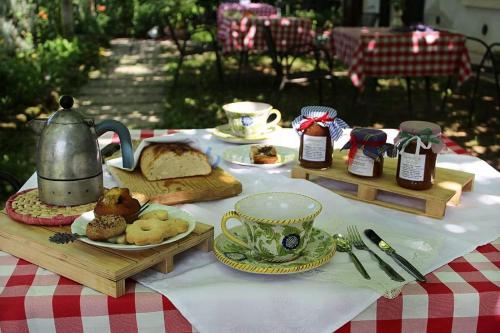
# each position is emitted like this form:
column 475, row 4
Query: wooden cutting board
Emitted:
column 217, row 185
column 102, row 269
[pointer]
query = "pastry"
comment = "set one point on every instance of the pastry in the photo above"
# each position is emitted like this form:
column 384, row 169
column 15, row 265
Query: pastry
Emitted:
column 118, row 201
column 175, row 227
column 172, row 160
column 263, row 154
column 146, row 232
column 154, row 231
column 154, row 214
column 104, row 227
column 120, row 239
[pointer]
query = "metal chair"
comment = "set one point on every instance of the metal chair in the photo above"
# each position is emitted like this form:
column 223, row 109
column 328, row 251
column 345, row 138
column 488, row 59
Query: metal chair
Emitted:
column 283, row 59
column 488, row 63
column 13, row 185
column 187, row 46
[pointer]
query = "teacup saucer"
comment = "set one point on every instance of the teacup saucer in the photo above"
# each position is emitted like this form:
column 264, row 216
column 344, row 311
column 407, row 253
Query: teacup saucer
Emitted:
column 223, row 132
column 318, row 252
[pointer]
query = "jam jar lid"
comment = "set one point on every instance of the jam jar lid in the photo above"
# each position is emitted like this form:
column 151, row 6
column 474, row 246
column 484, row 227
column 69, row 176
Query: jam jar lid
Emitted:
column 423, row 132
column 372, row 141
column 369, row 135
column 417, row 126
column 323, row 115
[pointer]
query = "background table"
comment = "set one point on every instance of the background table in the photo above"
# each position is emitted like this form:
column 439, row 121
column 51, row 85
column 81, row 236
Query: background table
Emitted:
column 459, row 296
column 224, row 22
column 379, row 52
column 247, row 34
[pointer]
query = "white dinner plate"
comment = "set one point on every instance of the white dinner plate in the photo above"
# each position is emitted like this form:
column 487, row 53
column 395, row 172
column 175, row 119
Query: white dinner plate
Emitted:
column 241, row 155
column 79, row 227
column 223, row 132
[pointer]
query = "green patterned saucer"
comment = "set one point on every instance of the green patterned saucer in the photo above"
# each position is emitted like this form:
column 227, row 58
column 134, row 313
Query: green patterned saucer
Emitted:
column 319, row 251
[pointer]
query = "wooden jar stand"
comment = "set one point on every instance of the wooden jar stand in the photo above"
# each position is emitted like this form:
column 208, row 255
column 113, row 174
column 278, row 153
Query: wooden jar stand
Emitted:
column 448, row 187
column 99, row 268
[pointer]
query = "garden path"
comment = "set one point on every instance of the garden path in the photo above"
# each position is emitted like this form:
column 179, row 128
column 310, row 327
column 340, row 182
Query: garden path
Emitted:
column 131, row 86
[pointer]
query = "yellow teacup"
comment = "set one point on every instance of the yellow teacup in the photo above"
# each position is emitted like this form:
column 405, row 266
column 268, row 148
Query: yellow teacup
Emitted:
column 278, row 224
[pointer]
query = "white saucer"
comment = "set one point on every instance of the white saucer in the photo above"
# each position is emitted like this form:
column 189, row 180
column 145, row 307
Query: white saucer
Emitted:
column 241, row 155
column 79, row 227
column 223, row 132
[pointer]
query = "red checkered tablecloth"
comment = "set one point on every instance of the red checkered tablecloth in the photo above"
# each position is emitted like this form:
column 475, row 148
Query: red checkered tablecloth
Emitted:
column 379, row 52
column 247, row 34
column 462, row 296
column 226, row 10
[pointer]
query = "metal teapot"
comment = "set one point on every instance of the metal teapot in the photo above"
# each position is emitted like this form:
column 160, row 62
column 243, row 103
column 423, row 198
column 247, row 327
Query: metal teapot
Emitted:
column 68, row 159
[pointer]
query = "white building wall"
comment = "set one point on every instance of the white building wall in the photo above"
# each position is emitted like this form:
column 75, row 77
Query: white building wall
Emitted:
column 466, row 17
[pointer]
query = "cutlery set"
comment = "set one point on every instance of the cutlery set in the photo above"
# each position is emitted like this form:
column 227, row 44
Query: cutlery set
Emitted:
column 345, row 244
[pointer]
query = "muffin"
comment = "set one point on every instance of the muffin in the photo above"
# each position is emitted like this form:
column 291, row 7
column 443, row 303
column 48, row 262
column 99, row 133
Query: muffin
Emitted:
column 118, row 201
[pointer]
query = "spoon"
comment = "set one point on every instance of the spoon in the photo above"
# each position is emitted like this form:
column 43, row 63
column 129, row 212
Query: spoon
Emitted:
column 344, row 245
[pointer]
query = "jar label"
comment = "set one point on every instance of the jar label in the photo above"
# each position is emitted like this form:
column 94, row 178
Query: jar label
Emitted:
column 362, row 165
column 412, row 167
column 314, row 148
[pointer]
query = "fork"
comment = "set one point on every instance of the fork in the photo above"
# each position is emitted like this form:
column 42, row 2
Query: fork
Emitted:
column 357, row 241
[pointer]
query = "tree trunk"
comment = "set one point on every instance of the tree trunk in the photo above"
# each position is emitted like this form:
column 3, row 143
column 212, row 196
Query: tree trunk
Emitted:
column 91, row 4
column 67, row 17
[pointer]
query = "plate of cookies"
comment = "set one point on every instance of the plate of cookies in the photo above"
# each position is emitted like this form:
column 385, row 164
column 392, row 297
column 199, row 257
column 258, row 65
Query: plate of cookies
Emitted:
column 154, row 226
column 261, row 156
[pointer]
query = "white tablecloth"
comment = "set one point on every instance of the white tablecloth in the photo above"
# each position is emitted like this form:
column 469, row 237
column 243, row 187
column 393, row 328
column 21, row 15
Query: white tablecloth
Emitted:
column 215, row 298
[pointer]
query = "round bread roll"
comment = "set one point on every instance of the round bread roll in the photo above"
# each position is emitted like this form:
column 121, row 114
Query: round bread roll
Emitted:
column 104, row 227
column 118, row 201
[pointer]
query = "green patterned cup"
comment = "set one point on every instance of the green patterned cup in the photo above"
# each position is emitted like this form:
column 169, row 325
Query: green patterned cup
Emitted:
column 278, row 224
column 250, row 119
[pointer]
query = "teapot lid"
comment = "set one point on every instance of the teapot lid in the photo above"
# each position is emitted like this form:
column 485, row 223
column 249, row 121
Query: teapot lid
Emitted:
column 65, row 115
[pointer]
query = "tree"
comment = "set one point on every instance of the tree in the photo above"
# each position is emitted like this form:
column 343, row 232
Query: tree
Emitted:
column 67, row 17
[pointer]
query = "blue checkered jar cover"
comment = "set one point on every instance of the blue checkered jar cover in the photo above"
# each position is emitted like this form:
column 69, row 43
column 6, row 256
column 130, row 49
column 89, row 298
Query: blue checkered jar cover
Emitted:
column 367, row 147
column 318, row 127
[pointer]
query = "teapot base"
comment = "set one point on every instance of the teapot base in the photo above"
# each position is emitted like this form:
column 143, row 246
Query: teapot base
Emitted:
column 70, row 192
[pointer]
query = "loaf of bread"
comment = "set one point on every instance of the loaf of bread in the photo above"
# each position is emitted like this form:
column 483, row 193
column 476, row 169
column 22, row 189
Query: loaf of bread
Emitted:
column 172, row 160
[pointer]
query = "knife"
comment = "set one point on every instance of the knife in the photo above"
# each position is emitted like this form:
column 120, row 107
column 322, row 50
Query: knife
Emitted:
column 391, row 252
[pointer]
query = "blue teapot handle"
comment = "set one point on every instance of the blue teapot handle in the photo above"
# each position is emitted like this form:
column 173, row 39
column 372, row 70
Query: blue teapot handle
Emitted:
column 125, row 140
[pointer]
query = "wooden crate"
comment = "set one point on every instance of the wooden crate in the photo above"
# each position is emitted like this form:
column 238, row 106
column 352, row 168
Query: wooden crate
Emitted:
column 99, row 268
column 448, row 186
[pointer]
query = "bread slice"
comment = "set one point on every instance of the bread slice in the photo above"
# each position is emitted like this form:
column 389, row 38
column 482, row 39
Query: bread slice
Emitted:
column 172, row 160
column 263, row 154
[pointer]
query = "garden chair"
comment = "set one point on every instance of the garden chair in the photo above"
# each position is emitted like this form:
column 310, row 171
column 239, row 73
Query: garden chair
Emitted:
column 283, row 59
column 187, row 46
column 6, row 177
column 484, row 62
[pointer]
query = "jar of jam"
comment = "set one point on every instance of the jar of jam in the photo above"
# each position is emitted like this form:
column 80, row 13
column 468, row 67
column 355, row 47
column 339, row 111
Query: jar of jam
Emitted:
column 418, row 143
column 318, row 127
column 366, row 152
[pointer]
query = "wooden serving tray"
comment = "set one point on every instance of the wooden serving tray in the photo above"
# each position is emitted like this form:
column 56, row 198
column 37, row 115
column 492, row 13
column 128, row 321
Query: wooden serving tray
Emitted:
column 217, row 185
column 448, row 186
column 102, row 269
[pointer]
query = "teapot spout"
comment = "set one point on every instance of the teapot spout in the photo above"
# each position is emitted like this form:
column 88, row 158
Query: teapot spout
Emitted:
column 37, row 125
column 125, row 140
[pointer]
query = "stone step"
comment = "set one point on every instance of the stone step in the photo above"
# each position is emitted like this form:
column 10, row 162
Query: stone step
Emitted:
column 89, row 90
column 123, row 109
column 130, row 99
column 142, row 81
